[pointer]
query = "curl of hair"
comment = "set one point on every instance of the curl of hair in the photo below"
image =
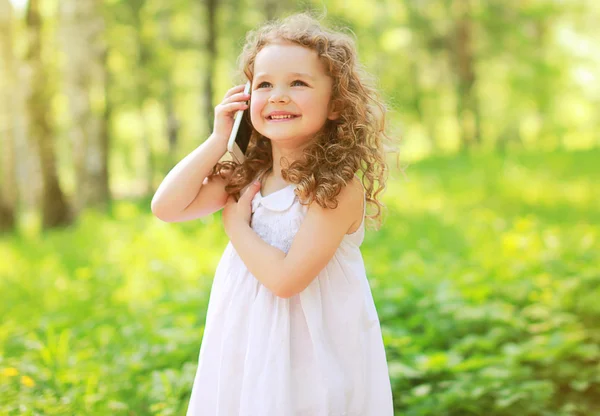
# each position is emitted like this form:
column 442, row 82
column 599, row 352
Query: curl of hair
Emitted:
column 352, row 143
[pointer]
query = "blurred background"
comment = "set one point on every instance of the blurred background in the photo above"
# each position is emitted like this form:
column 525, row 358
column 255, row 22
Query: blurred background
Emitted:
column 486, row 272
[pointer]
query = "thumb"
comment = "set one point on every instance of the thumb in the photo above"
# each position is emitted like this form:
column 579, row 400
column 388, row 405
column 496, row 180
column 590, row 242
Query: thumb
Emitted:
column 252, row 190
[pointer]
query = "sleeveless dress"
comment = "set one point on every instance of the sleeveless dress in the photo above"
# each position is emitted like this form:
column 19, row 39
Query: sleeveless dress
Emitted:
column 317, row 353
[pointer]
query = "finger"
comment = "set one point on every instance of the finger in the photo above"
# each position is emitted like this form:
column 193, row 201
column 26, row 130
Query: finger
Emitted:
column 233, row 90
column 251, row 191
column 230, row 108
column 236, row 98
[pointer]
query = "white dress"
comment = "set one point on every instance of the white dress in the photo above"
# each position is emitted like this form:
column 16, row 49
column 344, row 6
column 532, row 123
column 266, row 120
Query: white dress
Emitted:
column 317, row 353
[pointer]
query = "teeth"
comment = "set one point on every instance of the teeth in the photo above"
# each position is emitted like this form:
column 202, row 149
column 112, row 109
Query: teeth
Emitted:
column 281, row 117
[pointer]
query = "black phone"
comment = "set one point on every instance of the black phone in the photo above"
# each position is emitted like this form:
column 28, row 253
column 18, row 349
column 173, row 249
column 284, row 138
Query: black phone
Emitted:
column 239, row 139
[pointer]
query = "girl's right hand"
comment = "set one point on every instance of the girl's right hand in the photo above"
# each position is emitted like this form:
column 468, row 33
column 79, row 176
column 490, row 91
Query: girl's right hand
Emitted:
column 233, row 101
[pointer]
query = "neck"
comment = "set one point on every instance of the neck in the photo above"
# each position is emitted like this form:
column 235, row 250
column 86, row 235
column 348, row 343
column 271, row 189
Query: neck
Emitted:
column 280, row 152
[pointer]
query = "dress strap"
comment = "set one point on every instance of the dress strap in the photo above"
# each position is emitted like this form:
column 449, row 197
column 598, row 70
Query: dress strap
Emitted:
column 358, row 235
column 364, row 196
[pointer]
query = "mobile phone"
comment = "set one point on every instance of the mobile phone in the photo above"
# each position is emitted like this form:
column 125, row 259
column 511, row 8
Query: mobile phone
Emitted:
column 240, row 133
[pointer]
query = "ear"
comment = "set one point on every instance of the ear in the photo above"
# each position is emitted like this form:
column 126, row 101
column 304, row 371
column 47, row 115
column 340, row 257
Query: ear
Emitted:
column 334, row 110
column 333, row 115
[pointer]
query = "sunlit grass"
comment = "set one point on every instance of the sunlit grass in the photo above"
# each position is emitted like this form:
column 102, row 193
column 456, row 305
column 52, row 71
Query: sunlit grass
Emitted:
column 486, row 277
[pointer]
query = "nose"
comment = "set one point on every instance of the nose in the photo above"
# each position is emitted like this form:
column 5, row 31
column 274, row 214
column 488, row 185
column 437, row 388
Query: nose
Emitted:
column 278, row 97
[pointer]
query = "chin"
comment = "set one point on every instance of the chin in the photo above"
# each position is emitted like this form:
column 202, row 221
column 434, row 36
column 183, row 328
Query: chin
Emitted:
column 282, row 136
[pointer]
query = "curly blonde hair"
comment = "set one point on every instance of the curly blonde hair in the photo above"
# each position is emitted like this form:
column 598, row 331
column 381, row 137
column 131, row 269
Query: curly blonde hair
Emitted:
column 352, row 143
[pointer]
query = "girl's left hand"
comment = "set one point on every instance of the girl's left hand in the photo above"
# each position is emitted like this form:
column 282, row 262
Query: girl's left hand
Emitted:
column 238, row 213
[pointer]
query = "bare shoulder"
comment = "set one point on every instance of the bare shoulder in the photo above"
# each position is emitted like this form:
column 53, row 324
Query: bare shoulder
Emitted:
column 352, row 195
column 319, row 237
column 355, row 195
column 349, row 209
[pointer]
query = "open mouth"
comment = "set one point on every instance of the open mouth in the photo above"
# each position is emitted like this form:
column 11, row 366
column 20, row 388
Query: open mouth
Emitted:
column 281, row 118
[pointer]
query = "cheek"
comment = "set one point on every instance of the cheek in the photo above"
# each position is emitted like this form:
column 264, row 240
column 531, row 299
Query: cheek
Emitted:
column 311, row 104
column 256, row 107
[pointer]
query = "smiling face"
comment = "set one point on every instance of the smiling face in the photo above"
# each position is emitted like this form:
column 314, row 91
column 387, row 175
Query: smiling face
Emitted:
column 290, row 78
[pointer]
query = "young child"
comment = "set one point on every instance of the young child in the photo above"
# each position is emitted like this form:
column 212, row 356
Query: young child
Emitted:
column 291, row 326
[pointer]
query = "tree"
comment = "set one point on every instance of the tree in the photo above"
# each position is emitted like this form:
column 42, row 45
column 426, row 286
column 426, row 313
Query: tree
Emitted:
column 82, row 27
column 463, row 59
column 211, row 50
column 55, row 210
column 8, row 182
column 168, row 94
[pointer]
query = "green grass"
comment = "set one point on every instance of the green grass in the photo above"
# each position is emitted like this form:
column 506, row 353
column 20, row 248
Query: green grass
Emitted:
column 486, row 276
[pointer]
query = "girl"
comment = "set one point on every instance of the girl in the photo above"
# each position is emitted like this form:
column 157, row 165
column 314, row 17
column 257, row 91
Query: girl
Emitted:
column 291, row 326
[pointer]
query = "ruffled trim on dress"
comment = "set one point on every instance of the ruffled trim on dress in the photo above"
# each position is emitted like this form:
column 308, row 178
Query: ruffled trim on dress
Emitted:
column 282, row 200
column 278, row 201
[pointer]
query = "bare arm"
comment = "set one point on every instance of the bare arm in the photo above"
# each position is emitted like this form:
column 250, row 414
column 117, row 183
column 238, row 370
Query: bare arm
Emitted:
column 184, row 194
column 315, row 243
column 187, row 192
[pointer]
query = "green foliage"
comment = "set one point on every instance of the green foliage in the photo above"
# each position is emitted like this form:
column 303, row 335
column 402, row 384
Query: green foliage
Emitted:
column 487, row 286
column 485, row 274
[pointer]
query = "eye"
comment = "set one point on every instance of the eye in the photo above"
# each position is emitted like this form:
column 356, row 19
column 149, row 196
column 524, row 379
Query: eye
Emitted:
column 265, row 82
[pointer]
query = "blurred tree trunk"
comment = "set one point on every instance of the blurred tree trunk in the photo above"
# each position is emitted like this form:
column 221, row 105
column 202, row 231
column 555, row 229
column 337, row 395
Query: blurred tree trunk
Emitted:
column 211, row 59
column 509, row 134
column 105, row 132
column 169, row 108
column 419, row 28
column 142, row 90
column 8, row 181
column 543, row 95
column 464, row 63
column 172, row 122
column 55, row 211
column 82, row 27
